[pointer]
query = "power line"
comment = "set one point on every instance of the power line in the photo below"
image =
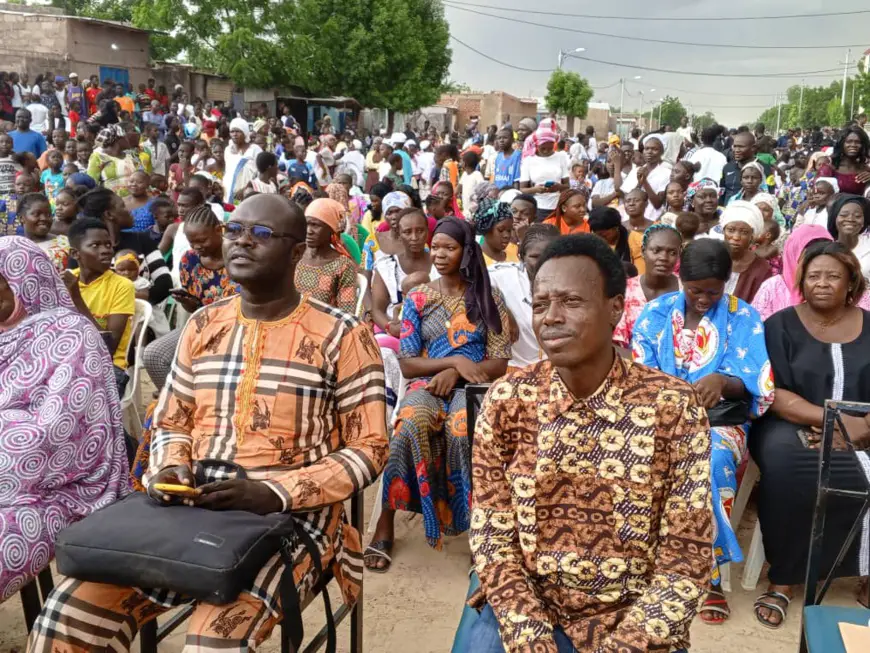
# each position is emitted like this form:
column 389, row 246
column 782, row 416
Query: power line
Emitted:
column 670, row 18
column 503, row 63
column 663, row 41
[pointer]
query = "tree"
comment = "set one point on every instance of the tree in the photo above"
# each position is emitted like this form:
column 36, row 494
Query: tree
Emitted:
column 700, row 123
column 569, row 94
column 454, row 88
column 672, row 111
column 385, row 53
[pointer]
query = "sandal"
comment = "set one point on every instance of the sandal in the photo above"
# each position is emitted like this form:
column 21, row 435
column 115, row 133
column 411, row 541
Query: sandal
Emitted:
column 715, row 604
column 379, row 550
column 764, row 602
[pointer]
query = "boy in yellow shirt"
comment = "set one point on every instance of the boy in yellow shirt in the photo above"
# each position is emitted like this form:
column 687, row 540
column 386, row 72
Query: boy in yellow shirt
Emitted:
column 110, row 297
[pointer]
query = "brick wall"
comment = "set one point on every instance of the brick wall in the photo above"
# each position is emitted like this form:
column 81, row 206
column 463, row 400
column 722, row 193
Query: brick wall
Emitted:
column 33, row 43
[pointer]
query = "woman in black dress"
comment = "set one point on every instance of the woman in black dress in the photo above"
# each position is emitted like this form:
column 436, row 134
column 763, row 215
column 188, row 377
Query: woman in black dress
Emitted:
column 818, row 351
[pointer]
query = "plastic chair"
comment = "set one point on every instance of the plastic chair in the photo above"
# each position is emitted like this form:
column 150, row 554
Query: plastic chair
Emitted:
column 378, row 507
column 820, row 632
column 141, row 318
column 755, row 557
column 363, row 287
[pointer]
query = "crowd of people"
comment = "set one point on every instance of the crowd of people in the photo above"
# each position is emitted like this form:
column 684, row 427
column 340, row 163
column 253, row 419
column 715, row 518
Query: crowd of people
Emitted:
column 650, row 310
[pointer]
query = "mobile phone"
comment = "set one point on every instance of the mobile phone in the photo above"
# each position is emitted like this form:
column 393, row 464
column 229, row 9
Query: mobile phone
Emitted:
column 178, row 490
column 178, row 292
column 549, row 183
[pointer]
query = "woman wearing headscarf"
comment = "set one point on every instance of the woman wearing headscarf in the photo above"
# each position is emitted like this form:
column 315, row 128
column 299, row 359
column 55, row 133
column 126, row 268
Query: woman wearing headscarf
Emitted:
column 702, row 198
column 108, row 165
column 383, row 243
column 445, row 190
column 752, row 181
column 373, row 216
column 326, row 272
column 815, row 210
column 494, row 220
column 653, row 177
column 715, row 341
column 338, row 192
column 240, row 159
column 741, row 224
column 848, row 223
column 61, row 437
column 543, row 174
column 454, row 331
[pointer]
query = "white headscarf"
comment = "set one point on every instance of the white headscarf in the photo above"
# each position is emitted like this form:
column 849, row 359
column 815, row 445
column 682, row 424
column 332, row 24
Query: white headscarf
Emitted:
column 831, row 181
column 742, row 211
column 765, row 198
column 658, row 137
column 242, row 125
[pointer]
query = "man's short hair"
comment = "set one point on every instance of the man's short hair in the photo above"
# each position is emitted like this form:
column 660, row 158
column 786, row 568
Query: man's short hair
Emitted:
column 594, row 247
column 79, row 228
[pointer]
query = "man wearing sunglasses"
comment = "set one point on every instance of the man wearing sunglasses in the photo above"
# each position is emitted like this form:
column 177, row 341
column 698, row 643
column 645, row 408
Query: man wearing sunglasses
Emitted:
column 288, row 388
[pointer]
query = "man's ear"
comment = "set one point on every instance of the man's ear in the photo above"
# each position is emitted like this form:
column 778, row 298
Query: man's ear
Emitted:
column 617, row 305
column 297, row 253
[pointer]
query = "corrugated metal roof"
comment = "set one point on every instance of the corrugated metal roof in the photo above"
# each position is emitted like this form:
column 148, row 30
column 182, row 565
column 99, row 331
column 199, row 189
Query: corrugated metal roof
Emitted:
column 84, row 19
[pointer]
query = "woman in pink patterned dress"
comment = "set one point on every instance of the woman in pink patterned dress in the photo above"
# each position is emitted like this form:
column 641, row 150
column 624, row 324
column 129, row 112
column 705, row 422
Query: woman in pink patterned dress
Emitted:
column 661, row 250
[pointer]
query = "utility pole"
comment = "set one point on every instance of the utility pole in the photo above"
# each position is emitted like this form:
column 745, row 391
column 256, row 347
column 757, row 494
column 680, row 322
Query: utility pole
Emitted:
column 561, row 58
column 660, row 114
column 640, row 111
column 778, row 113
column 621, row 100
column 852, row 109
column 801, row 105
column 845, row 75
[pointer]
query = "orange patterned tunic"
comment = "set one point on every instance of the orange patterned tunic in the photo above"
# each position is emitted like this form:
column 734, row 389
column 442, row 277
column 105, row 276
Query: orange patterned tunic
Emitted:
column 333, row 283
column 299, row 403
column 593, row 515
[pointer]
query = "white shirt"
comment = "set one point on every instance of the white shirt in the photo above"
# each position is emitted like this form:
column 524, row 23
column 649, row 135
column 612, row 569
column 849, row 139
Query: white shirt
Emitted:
column 539, row 170
column 39, row 113
column 354, row 163
column 578, row 152
column 232, row 158
column 18, row 92
column 605, row 186
column 673, row 143
column 862, row 253
column 685, row 133
column 61, row 98
column 712, row 163
column 426, row 160
column 469, row 182
column 512, row 280
column 488, row 160
column 592, row 149
column 658, row 180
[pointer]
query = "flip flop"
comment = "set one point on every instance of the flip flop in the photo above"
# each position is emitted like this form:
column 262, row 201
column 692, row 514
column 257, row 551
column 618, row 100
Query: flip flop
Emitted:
column 380, row 550
column 715, row 603
column 760, row 602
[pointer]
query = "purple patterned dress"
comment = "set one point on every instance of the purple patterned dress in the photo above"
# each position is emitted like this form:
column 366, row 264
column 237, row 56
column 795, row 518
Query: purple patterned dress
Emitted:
column 62, row 453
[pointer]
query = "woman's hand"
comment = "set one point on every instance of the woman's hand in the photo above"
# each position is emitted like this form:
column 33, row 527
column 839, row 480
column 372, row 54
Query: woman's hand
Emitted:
column 710, row 389
column 469, row 371
column 442, row 384
column 863, row 177
column 71, row 282
column 394, row 328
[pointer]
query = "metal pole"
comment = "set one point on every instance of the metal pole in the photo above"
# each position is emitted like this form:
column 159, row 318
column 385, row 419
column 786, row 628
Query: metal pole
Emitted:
column 845, row 74
column 561, row 57
column 649, row 127
column 640, row 111
column 778, row 114
column 621, row 100
column 852, row 109
column 801, row 105
column 660, row 116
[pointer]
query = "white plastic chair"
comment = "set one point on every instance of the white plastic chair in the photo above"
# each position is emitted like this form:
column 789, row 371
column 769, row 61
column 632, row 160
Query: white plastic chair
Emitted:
column 754, row 559
column 362, row 288
column 378, row 507
column 141, row 318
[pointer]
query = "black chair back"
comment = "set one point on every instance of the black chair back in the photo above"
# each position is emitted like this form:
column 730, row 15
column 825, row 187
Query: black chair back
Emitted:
column 474, row 393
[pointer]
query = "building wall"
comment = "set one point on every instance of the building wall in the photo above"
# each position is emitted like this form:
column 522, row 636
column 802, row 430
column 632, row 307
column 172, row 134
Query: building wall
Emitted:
column 33, row 43
column 494, row 108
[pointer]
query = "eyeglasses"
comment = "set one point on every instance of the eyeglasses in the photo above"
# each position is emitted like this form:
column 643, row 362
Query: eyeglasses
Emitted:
column 258, row 233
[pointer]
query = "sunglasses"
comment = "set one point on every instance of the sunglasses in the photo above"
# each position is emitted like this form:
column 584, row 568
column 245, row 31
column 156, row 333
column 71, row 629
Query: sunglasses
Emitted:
column 258, row 233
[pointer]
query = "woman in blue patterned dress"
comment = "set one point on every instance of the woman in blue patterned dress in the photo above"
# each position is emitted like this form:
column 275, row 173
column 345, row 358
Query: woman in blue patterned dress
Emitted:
column 715, row 341
column 454, row 331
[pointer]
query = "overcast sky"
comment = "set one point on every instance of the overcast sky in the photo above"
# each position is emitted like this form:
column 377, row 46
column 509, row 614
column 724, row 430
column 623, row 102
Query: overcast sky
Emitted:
column 513, row 42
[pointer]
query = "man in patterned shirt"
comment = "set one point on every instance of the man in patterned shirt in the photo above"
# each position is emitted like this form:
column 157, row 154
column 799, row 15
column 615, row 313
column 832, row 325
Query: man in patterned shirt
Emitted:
column 288, row 388
column 592, row 522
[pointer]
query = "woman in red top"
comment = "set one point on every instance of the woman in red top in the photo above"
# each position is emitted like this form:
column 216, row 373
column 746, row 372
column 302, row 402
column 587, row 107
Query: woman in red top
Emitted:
column 849, row 161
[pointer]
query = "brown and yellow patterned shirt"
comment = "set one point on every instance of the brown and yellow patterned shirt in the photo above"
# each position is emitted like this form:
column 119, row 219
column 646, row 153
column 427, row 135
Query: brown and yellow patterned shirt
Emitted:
column 594, row 515
column 298, row 402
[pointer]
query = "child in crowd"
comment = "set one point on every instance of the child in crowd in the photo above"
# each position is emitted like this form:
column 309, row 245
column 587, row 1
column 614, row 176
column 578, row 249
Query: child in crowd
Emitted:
column 471, row 177
column 128, row 264
column 9, row 167
column 52, row 178
column 160, row 184
column 578, row 175
column 10, row 224
column 69, row 152
column 395, row 176
column 765, row 245
column 201, row 158
column 110, row 298
column 634, row 204
column 69, row 169
column 65, row 211
column 687, row 223
column 165, row 226
column 675, row 200
column 75, row 115
column 84, row 149
column 29, row 166
column 266, row 181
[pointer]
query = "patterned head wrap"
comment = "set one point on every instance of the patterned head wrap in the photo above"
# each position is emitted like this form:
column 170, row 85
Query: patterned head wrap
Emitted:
column 110, row 135
column 489, row 213
column 329, row 212
column 479, row 303
column 694, row 188
column 31, row 276
column 395, row 200
column 338, row 193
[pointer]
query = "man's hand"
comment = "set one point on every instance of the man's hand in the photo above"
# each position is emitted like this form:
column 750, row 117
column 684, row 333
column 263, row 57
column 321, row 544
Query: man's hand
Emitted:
column 179, row 475
column 710, row 389
column 71, row 282
column 442, row 384
column 469, row 371
column 394, row 328
column 237, row 494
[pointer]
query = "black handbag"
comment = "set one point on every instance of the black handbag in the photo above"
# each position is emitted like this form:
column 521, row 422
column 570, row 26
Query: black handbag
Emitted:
column 206, row 555
column 729, row 412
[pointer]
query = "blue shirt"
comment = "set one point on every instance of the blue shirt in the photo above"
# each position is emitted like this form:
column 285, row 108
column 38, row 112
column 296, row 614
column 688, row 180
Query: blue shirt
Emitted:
column 507, row 170
column 29, row 141
column 300, row 170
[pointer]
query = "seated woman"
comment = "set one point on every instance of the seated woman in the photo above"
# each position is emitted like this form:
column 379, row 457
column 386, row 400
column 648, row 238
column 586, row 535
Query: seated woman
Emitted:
column 108, row 165
column 849, row 161
column 606, row 222
column 56, row 475
column 780, row 292
column 818, row 351
column 514, row 280
column 635, row 205
column 494, row 221
column 715, row 341
column 203, row 279
column 454, row 331
column 570, row 214
column 661, row 248
column 702, row 199
column 741, row 224
column 383, row 243
column 849, row 223
column 34, row 211
column 326, row 272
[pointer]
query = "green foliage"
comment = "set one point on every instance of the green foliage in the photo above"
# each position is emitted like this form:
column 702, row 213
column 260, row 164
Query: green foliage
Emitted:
column 568, row 94
column 699, row 123
column 672, row 111
column 385, row 53
column 454, row 88
column 820, row 106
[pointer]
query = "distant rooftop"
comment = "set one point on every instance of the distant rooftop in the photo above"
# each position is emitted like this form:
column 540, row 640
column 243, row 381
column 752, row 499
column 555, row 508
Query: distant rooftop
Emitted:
column 54, row 12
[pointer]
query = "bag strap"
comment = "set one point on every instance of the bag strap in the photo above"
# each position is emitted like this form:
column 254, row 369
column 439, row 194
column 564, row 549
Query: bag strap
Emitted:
column 200, row 465
column 291, row 607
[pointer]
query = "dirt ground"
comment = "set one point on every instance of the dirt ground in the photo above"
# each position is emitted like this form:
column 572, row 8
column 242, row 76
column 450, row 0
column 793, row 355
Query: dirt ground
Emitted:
column 416, row 605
